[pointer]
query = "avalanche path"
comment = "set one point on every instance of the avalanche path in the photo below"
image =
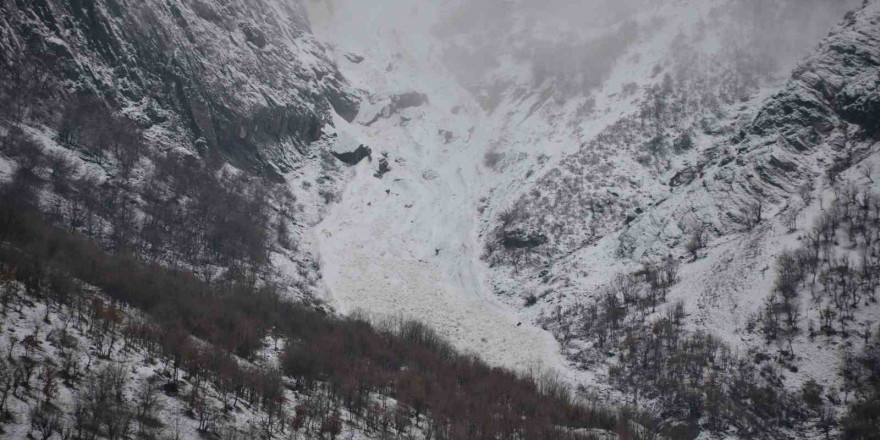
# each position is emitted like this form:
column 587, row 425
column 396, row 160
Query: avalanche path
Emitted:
column 407, row 244
column 379, row 254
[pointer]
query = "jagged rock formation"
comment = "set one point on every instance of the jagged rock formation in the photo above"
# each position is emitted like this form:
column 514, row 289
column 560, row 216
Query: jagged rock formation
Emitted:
column 701, row 144
column 836, row 84
column 822, row 123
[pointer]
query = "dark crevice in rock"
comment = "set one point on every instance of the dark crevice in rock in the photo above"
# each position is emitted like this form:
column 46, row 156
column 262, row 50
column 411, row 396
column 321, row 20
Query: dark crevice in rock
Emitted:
column 407, row 100
column 785, row 166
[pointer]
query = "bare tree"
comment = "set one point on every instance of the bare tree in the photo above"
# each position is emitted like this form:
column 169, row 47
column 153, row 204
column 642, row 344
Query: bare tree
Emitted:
column 7, row 382
column 696, row 240
column 867, row 171
column 147, row 403
column 753, row 213
column 45, row 420
column 806, row 192
column 791, row 220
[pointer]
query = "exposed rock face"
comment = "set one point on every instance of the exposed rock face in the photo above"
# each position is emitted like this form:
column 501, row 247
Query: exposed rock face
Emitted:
column 754, row 152
column 838, row 83
column 400, row 102
column 829, row 109
column 242, row 75
column 830, row 104
column 684, row 177
column 407, row 100
column 520, row 239
column 354, row 157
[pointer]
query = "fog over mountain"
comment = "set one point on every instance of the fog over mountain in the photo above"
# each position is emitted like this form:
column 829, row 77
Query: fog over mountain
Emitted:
column 577, row 42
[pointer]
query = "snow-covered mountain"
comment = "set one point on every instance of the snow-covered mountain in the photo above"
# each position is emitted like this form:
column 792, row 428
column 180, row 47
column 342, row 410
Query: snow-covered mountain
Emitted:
column 545, row 162
column 542, row 162
column 614, row 192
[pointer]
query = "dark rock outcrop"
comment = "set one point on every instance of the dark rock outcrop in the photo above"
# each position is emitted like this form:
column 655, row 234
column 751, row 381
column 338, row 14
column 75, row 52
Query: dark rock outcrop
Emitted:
column 407, row 100
column 823, row 122
column 384, row 168
column 520, row 239
column 400, row 102
column 354, row 58
column 354, row 157
column 838, row 82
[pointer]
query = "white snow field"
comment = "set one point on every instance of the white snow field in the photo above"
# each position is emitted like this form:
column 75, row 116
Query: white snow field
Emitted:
column 407, row 245
column 379, row 253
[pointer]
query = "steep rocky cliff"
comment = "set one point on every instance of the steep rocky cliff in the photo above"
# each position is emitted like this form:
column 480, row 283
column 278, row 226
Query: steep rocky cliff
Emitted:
column 237, row 76
column 821, row 124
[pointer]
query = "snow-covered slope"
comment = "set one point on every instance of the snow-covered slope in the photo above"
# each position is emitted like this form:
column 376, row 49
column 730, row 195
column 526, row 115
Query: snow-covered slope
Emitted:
column 191, row 82
column 819, row 119
column 518, row 191
column 517, row 162
column 480, row 142
column 754, row 187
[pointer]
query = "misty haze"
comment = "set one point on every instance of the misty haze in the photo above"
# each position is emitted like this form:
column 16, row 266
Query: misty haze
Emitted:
column 439, row 220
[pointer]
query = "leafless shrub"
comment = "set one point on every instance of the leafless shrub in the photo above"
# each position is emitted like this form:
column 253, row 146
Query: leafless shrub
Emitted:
column 806, row 191
column 696, row 239
column 492, row 159
column 328, row 195
column 752, row 213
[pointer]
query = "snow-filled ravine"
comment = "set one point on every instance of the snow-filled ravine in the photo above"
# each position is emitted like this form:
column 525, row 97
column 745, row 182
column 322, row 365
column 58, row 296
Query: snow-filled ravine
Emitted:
column 406, row 245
